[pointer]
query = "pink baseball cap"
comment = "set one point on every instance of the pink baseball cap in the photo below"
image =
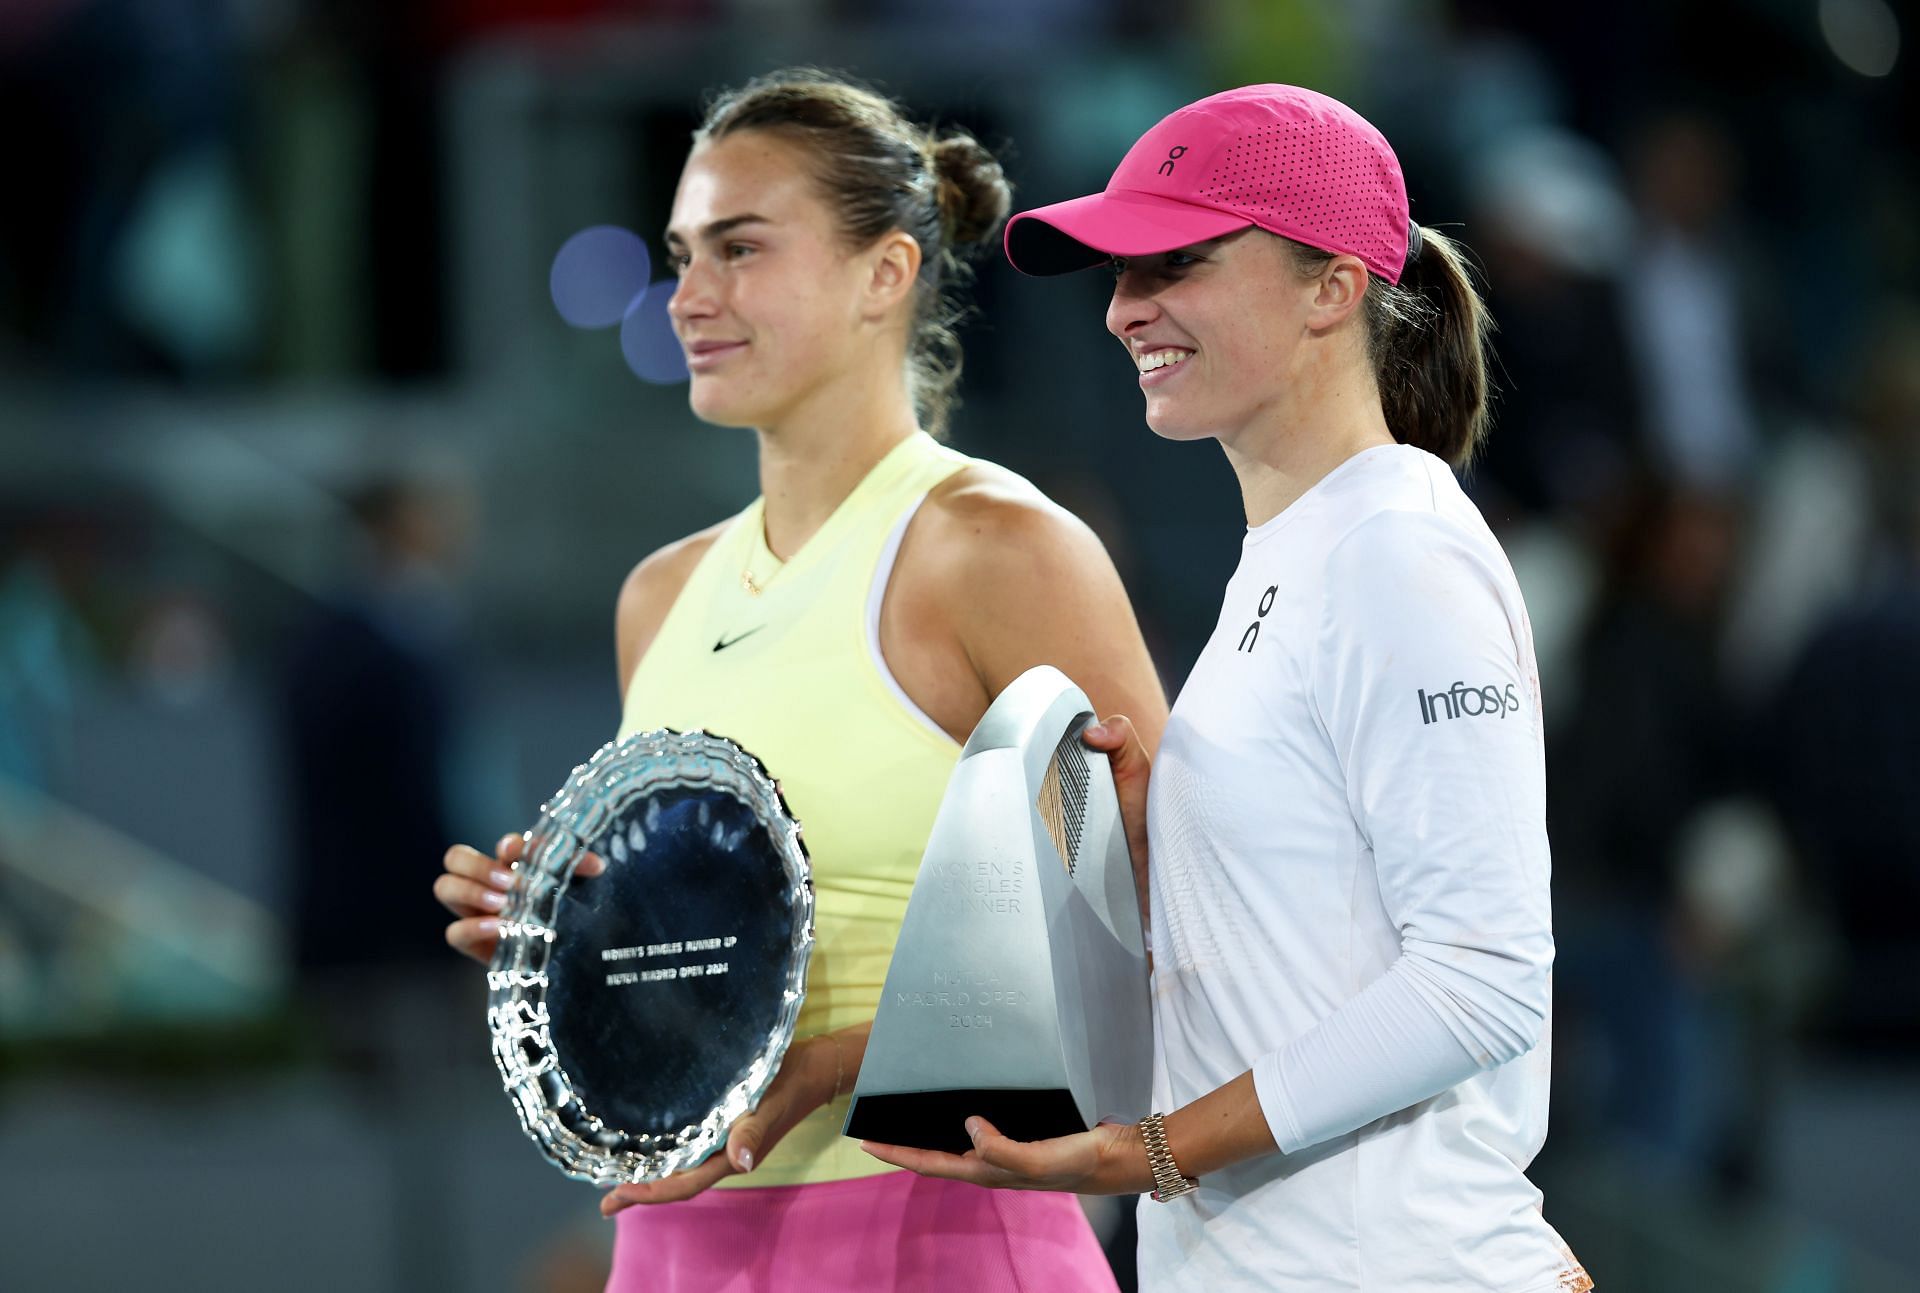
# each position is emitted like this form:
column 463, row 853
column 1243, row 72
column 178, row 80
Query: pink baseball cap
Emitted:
column 1292, row 161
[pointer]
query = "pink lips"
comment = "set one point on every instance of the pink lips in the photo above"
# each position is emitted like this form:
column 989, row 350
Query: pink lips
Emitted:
column 706, row 354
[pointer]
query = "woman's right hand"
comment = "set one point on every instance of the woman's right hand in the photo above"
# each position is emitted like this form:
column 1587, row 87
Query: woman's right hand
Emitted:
column 474, row 888
column 1115, row 738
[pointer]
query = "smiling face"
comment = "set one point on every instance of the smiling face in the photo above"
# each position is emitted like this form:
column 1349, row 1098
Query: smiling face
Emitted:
column 771, row 306
column 1222, row 333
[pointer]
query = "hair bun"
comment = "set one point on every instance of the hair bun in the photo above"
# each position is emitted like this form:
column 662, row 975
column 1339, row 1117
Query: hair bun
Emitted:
column 973, row 195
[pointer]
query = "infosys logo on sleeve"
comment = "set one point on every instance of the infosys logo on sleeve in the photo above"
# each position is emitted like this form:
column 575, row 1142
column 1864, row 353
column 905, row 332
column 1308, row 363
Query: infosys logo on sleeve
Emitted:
column 1462, row 701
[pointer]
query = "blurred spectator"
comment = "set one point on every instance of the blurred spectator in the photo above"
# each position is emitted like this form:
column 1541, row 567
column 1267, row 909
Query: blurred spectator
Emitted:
column 1687, row 308
column 368, row 689
column 134, row 253
column 1656, row 733
column 1653, row 739
column 47, row 647
column 1844, row 731
column 367, row 710
column 1548, row 216
column 39, row 646
column 45, row 651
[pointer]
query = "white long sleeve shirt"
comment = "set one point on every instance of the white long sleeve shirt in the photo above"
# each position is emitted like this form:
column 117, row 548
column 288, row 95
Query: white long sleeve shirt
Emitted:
column 1349, row 889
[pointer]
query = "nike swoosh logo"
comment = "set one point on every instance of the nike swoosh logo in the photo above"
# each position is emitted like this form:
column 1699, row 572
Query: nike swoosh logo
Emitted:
column 724, row 642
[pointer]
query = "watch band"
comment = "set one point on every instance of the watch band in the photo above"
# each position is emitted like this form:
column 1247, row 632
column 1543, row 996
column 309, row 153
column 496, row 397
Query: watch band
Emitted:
column 1168, row 1183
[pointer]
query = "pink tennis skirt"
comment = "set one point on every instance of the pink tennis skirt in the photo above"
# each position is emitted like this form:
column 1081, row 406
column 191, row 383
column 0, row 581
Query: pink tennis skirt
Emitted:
column 892, row 1232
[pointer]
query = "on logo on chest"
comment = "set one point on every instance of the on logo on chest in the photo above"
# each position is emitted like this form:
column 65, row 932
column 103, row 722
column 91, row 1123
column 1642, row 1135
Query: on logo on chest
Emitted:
column 1252, row 635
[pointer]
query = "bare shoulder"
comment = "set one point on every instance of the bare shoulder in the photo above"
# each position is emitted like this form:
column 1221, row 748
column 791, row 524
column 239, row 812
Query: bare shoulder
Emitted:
column 1013, row 579
column 986, row 516
column 649, row 592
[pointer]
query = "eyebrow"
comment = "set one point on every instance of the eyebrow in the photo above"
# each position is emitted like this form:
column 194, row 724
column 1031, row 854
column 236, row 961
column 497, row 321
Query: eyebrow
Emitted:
column 718, row 228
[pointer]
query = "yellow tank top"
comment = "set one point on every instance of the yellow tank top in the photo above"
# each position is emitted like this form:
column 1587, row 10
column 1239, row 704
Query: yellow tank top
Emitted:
column 794, row 675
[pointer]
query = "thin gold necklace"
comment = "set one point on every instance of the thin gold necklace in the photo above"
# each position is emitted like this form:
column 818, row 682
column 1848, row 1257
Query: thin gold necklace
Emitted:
column 755, row 587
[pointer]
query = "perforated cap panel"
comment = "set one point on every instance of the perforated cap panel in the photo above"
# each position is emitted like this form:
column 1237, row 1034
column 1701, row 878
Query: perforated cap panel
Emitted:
column 1314, row 180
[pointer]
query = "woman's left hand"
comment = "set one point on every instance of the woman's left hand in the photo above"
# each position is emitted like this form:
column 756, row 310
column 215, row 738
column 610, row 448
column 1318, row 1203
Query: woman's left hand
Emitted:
column 805, row 1082
column 1110, row 1159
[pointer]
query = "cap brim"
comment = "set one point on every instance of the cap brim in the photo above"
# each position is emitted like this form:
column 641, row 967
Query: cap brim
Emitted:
column 1083, row 232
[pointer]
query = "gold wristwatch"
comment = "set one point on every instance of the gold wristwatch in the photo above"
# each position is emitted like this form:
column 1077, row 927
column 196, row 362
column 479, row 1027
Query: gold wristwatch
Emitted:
column 1168, row 1183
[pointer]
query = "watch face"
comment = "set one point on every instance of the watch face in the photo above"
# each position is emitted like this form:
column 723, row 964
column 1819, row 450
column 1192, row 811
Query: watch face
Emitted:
column 636, row 1012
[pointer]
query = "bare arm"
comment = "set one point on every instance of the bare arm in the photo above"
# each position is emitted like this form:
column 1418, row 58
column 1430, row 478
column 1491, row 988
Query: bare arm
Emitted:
column 995, row 578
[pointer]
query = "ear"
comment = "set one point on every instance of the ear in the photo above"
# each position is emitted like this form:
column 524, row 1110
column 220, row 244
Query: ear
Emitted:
column 894, row 268
column 1338, row 291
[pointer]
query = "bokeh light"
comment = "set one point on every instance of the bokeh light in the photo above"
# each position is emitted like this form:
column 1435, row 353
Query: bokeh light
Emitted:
column 598, row 274
column 647, row 340
column 1863, row 34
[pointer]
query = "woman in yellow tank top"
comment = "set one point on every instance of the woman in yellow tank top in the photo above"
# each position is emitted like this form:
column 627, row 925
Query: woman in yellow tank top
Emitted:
column 849, row 627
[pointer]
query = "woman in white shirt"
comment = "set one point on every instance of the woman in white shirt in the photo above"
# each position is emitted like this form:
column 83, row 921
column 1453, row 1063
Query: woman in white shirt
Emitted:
column 1346, row 822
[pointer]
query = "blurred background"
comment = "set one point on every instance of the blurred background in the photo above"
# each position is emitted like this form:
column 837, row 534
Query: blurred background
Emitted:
column 312, row 513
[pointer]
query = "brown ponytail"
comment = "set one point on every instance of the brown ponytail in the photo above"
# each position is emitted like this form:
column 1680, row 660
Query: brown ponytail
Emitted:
column 1428, row 339
column 881, row 172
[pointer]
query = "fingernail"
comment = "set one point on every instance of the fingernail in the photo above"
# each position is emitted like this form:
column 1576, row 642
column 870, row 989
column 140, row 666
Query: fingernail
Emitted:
column 973, row 1127
column 494, row 899
column 1096, row 731
column 502, row 879
column 746, row 1160
column 488, row 925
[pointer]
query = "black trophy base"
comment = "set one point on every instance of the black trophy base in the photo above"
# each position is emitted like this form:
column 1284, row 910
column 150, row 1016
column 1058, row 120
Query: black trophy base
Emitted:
column 938, row 1119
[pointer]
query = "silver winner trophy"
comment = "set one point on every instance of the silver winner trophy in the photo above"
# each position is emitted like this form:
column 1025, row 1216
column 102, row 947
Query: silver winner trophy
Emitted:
column 638, row 1011
column 1018, row 988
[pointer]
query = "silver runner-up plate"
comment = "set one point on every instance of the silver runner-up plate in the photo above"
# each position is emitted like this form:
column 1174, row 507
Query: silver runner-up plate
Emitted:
column 636, row 1013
